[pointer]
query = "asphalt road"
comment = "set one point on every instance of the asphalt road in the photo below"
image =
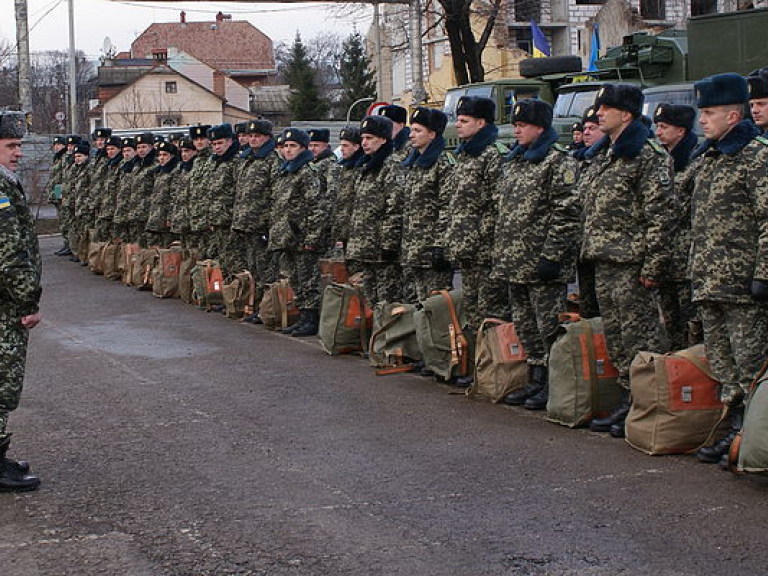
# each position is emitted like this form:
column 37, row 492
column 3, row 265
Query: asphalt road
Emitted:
column 175, row 442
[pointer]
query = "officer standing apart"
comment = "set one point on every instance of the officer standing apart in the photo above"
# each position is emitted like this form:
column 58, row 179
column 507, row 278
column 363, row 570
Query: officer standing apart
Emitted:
column 758, row 98
column 729, row 252
column 537, row 230
column 19, row 293
column 628, row 208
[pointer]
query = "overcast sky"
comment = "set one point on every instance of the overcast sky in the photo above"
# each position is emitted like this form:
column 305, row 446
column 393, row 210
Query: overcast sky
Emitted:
column 123, row 20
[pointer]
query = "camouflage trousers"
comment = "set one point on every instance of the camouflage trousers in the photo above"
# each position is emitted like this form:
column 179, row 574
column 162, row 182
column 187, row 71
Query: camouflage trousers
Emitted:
column 630, row 315
column 13, row 355
column 482, row 296
column 677, row 311
column 535, row 310
column 588, row 307
column 382, row 281
column 161, row 239
column 303, row 274
column 249, row 252
column 65, row 221
column 104, row 229
column 419, row 282
column 736, row 337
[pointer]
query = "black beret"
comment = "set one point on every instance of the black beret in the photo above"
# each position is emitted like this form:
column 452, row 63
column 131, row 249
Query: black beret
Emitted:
column 721, row 90
column 264, row 127
column 590, row 115
column 477, row 107
column 220, row 131
column 240, row 127
column 380, row 126
column 74, row 139
column 430, row 118
column 114, row 141
column 296, row 135
column 675, row 115
column 83, row 148
column 532, row 111
column 758, row 84
column 395, row 113
column 350, row 134
column 626, row 97
column 59, row 140
column 319, row 135
column 187, row 144
column 199, row 131
column 577, row 127
column 102, row 133
column 167, row 147
column 129, row 143
column 145, row 138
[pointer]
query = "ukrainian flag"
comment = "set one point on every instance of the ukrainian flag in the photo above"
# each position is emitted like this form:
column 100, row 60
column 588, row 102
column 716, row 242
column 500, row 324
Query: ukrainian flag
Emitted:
column 540, row 44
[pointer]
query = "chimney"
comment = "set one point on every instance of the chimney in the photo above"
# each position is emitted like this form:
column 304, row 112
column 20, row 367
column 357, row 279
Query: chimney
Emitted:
column 220, row 17
column 183, row 17
column 218, row 83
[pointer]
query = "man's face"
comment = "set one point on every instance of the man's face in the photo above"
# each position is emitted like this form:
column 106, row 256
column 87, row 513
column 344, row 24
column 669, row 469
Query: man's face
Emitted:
column 468, row 126
column 396, row 127
column 58, row 147
column 669, row 135
column 10, row 153
column 221, row 145
column 80, row 158
column 112, row 151
column 201, row 143
column 578, row 136
column 292, row 149
column 143, row 149
column 129, row 153
column 317, row 147
column 612, row 120
column 592, row 133
column 242, row 139
column 99, row 142
column 348, row 148
column 421, row 136
column 715, row 121
column 526, row 134
column 164, row 157
column 372, row 143
column 256, row 141
column 187, row 154
column 71, row 148
column 759, row 109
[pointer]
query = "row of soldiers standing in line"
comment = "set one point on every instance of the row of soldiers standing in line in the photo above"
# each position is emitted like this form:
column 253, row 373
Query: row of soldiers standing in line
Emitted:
column 630, row 212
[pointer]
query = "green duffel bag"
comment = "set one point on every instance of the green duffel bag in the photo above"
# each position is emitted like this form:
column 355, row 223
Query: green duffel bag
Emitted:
column 439, row 332
column 393, row 347
column 749, row 451
column 345, row 320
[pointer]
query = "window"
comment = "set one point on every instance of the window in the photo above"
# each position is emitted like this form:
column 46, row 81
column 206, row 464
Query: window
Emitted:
column 701, row 7
column 171, row 88
column 652, row 9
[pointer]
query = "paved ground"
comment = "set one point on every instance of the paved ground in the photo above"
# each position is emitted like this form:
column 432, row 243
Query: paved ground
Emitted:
column 175, row 442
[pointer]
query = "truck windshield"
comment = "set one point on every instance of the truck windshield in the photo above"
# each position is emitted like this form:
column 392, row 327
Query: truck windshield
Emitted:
column 452, row 98
column 653, row 99
column 573, row 104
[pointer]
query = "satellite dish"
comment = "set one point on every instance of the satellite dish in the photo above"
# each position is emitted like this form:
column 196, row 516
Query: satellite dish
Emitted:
column 108, row 48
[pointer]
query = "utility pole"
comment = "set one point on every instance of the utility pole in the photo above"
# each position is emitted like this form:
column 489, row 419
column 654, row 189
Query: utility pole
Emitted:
column 72, row 71
column 417, row 72
column 22, row 46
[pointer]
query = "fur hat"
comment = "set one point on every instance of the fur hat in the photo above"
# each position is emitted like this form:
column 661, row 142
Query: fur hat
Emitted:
column 590, row 115
column 350, row 134
column 167, row 147
column 296, row 135
column 186, row 144
column 532, row 111
column 74, row 139
column 102, row 133
column 675, row 115
column 319, row 135
column 83, row 148
column 114, row 141
column 431, row 118
column 477, row 107
column 577, row 127
column 159, row 138
column 175, row 136
column 721, row 90
column 145, row 138
column 199, row 131
column 626, row 97
column 263, row 127
column 129, row 143
column 240, row 127
column 220, row 131
column 395, row 113
column 380, row 126
column 59, row 140
column 758, row 84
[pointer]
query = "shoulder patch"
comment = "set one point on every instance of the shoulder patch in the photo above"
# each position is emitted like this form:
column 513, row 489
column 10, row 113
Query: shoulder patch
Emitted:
column 569, row 176
column 762, row 139
column 658, row 148
column 559, row 147
column 451, row 158
column 5, row 202
column 501, row 147
column 312, row 166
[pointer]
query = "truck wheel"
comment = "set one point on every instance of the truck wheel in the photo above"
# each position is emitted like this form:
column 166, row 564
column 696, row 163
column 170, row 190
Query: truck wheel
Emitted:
column 531, row 67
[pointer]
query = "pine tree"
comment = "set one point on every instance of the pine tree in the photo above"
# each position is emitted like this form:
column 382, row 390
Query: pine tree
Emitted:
column 305, row 101
column 357, row 78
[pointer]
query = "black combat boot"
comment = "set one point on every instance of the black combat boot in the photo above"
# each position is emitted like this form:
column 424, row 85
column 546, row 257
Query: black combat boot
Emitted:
column 296, row 325
column 539, row 400
column 537, row 379
column 713, row 454
column 310, row 326
column 615, row 418
column 13, row 475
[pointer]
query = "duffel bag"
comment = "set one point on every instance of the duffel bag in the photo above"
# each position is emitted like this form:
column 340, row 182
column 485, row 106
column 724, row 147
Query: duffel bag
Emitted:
column 111, row 258
column 127, row 258
column 393, row 346
column 277, row 309
column 749, row 450
column 142, row 265
column 345, row 320
column 239, row 294
column 165, row 276
column 96, row 257
column 439, row 331
column 500, row 361
column 208, row 283
column 186, row 287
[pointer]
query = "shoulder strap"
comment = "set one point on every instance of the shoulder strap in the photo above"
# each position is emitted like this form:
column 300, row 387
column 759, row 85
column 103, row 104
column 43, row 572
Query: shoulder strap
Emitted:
column 462, row 351
column 249, row 305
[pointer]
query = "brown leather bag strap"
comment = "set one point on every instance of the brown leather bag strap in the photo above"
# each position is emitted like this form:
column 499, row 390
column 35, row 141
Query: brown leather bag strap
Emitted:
column 592, row 357
column 251, row 294
column 461, row 340
column 363, row 320
column 282, row 300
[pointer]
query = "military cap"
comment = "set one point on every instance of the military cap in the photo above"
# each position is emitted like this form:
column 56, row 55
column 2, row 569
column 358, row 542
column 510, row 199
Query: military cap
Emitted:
column 626, row 97
column 240, row 127
column 74, row 139
column 758, row 83
column 59, row 139
column 165, row 146
column 12, row 125
column 380, row 126
column 296, row 135
column 350, row 134
column 590, row 115
column 83, row 148
column 532, row 111
column 220, row 131
column 577, row 127
column 319, row 135
column 186, row 144
column 394, row 112
column 102, row 133
column 114, row 141
column 721, row 90
column 280, row 140
column 263, row 127
column 477, row 107
column 129, row 142
column 431, row 118
column 158, row 138
column 145, row 138
column 176, row 136
column 199, row 131
column 675, row 115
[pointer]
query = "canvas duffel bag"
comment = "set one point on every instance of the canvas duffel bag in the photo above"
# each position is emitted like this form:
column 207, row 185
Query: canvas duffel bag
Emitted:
column 393, row 347
column 239, row 294
column 208, row 283
column 111, row 259
column 749, row 450
column 142, row 265
column 128, row 254
column 165, row 276
column 439, row 331
column 96, row 257
column 500, row 361
column 277, row 309
column 345, row 320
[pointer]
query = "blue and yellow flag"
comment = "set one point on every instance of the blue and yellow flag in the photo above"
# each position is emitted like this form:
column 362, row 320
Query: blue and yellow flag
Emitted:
column 540, row 44
column 594, row 48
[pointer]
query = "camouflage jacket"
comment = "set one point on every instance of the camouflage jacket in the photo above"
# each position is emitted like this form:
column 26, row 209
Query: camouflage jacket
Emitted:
column 537, row 212
column 427, row 191
column 20, row 287
column 471, row 218
column 67, row 165
column 197, row 195
column 178, row 213
column 345, row 180
column 142, row 185
column 628, row 202
column 220, row 183
column 80, row 187
column 297, row 218
column 55, row 176
column 254, row 187
column 162, row 196
column 729, row 229
column 105, row 208
column 402, row 145
column 685, row 171
column 99, row 169
column 123, row 195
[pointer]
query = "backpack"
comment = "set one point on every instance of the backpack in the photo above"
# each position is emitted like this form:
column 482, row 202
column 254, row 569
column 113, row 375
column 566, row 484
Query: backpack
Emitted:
column 393, row 346
column 239, row 294
column 749, row 450
column 96, row 257
column 277, row 309
column 111, row 257
column 582, row 380
column 444, row 348
column 142, row 264
column 128, row 254
column 165, row 275
column 500, row 361
column 345, row 320
column 208, row 283
column 186, row 287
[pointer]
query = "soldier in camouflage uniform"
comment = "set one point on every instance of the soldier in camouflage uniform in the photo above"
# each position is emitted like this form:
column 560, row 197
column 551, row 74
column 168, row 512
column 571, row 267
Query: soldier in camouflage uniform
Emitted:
column 59, row 147
column 371, row 251
column 142, row 185
column 537, row 230
column 729, row 244
column 345, row 179
column 105, row 205
column 196, row 193
column 19, row 293
column 158, row 222
column 297, row 227
column 400, row 132
column 79, row 203
column 65, row 213
column 628, row 201
column 241, row 131
column 758, row 98
column 422, row 205
column 120, row 220
column 98, row 168
column 179, row 215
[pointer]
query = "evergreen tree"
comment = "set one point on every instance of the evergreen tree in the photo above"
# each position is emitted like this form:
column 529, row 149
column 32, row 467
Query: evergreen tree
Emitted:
column 357, row 78
column 305, row 101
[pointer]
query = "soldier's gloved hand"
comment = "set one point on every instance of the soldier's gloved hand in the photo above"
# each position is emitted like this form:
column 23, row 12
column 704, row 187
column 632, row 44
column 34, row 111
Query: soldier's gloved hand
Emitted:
column 547, row 269
column 389, row 255
column 759, row 290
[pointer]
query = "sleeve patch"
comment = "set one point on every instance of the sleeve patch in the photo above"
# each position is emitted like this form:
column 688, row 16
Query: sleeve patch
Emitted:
column 5, row 202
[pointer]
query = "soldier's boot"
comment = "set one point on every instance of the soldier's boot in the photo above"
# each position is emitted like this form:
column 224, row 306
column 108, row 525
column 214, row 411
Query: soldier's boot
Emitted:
column 290, row 329
column 539, row 400
column 615, row 418
column 714, row 454
column 13, row 475
column 537, row 379
column 310, row 327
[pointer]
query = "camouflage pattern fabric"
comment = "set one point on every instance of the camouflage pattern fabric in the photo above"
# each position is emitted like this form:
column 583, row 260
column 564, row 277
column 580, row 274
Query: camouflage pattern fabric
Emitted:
column 161, row 200
column 78, row 202
column 178, row 213
column 677, row 312
column 105, row 207
column 419, row 283
column 197, row 196
column 303, row 274
column 65, row 212
column 535, row 309
column 55, row 176
column 142, row 187
column 299, row 215
column 482, row 296
column 123, row 200
column 382, row 281
column 345, row 181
